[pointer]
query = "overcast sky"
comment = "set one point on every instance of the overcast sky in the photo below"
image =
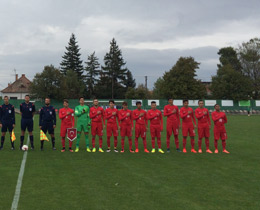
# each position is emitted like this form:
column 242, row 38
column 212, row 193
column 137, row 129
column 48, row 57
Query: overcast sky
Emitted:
column 151, row 34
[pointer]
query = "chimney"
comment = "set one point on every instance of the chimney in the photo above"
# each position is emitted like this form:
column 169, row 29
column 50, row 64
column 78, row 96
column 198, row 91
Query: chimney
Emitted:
column 16, row 77
column 23, row 75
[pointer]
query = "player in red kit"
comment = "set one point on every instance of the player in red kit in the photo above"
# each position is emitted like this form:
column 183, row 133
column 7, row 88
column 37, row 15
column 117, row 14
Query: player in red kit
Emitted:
column 126, row 126
column 139, row 115
column 111, row 115
column 204, row 124
column 66, row 115
column 187, row 116
column 156, row 126
column 97, row 116
column 173, row 123
column 220, row 119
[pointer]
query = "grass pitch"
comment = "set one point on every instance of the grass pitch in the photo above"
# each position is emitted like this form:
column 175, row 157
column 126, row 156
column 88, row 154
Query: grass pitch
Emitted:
column 55, row 180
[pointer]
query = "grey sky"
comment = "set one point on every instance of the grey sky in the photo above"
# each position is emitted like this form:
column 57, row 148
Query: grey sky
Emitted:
column 151, row 34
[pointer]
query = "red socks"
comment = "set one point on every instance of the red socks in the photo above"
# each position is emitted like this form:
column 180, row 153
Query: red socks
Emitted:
column 224, row 144
column 200, row 143
column 159, row 142
column 184, row 142
column 93, row 142
column 63, row 142
column 100, row 142
column 176, row 139
column 153, row 142
column 207, row 143
column 123, row 144
column 108, row 141
column 216, row 144
column 192, row 142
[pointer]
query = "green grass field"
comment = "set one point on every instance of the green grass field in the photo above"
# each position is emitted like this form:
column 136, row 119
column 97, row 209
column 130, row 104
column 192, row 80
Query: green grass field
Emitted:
column 55, row 180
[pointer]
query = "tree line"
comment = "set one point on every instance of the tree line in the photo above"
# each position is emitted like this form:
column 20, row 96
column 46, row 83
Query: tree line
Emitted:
column 237, row 78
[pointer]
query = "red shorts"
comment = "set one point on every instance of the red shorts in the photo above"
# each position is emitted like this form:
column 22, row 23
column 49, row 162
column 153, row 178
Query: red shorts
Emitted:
column 155, row 131
column 188, row 130
column 140, row 130
column 220, row 134
column 172, row 127
column 63, row 130
column 96, row 129
column 112, row 128
column 203, row 132
column 126, row 130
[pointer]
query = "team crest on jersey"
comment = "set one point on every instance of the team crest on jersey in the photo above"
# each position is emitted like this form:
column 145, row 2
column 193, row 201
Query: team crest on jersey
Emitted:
column 10, row 111
column 30, row 109
column 50, row 112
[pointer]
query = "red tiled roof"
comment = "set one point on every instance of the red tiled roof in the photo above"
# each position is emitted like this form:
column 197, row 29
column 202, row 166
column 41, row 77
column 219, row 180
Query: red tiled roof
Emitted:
column 21, row 85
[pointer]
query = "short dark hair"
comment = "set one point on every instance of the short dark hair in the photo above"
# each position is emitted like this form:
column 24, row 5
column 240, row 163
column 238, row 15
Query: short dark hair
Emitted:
column 216, row 105
column 153, row 102
column 170, row 99
column 185, row 100
column 111, row 101
column 124, row 103
column 81, row 97
column 27, row 96
column 200, row 101
column 138, row 102
column 65, row 100
column 6, row 97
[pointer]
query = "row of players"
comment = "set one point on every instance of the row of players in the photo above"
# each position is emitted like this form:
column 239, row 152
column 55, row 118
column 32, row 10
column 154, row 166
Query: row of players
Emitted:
column 94, row 118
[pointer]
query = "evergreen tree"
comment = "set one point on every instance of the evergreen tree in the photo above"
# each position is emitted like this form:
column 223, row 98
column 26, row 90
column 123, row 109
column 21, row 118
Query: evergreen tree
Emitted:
column 71, row 58
column 93, row 71
column 129, row 81
column 114, row 70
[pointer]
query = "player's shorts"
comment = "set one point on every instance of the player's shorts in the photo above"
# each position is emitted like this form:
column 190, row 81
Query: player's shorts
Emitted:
column 112, row 128
column 96, row 129
column 140, row 130
column 188, row 130
column 203, row 132
column 126, row 130
column 27, row 123
column 7, row 126
column 48, row 127
column 63, row 130
column 82, row 127
column 155, row 131
column 220, row 134
column 172, row 127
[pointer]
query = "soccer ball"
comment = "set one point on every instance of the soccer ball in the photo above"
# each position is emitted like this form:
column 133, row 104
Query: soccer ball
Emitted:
column 24, row 147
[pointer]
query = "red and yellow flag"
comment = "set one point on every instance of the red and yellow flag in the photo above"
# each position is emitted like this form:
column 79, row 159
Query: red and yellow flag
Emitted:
column 13, row 138
column 43, row 137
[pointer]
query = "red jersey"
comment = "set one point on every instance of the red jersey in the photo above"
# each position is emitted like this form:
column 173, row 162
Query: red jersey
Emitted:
column 155, row 117
column 140, row 120
column 67, row 120
column 202, row 118
column 94, row 116
column 109, row 115
column 171, row 117
column 124, row 119
column 187, row 117
column 219, row 118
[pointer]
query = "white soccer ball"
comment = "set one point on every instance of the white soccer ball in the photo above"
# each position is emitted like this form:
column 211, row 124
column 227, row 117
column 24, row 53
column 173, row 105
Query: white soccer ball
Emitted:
column 24, row 147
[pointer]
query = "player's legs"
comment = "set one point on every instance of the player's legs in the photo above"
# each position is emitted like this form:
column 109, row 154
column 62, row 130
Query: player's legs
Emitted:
column 115, row 134
column 44, row 129
column 137, row 135
column 153, row 135
column 123, row 134
column 93, row 134
column 223, row 136
column 129, row 135
column 30, row 130
column 192, row 140
column 169, row 130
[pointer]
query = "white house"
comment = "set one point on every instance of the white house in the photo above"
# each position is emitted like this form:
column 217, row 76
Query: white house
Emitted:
column 18, row 89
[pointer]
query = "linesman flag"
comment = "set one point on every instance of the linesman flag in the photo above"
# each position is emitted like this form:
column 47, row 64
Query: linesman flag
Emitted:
column 43, row 137
column 13, row 138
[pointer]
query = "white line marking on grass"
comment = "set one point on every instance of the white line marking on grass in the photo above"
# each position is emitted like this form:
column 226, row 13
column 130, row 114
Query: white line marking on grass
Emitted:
column 19, row 181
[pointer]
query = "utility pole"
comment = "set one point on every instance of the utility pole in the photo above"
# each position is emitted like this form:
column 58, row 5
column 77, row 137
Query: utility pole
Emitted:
column 145, row 82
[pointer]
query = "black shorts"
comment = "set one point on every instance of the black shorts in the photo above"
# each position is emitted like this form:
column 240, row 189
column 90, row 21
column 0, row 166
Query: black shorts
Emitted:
column 48, row 127
column 7, row 126
column 27, row 123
